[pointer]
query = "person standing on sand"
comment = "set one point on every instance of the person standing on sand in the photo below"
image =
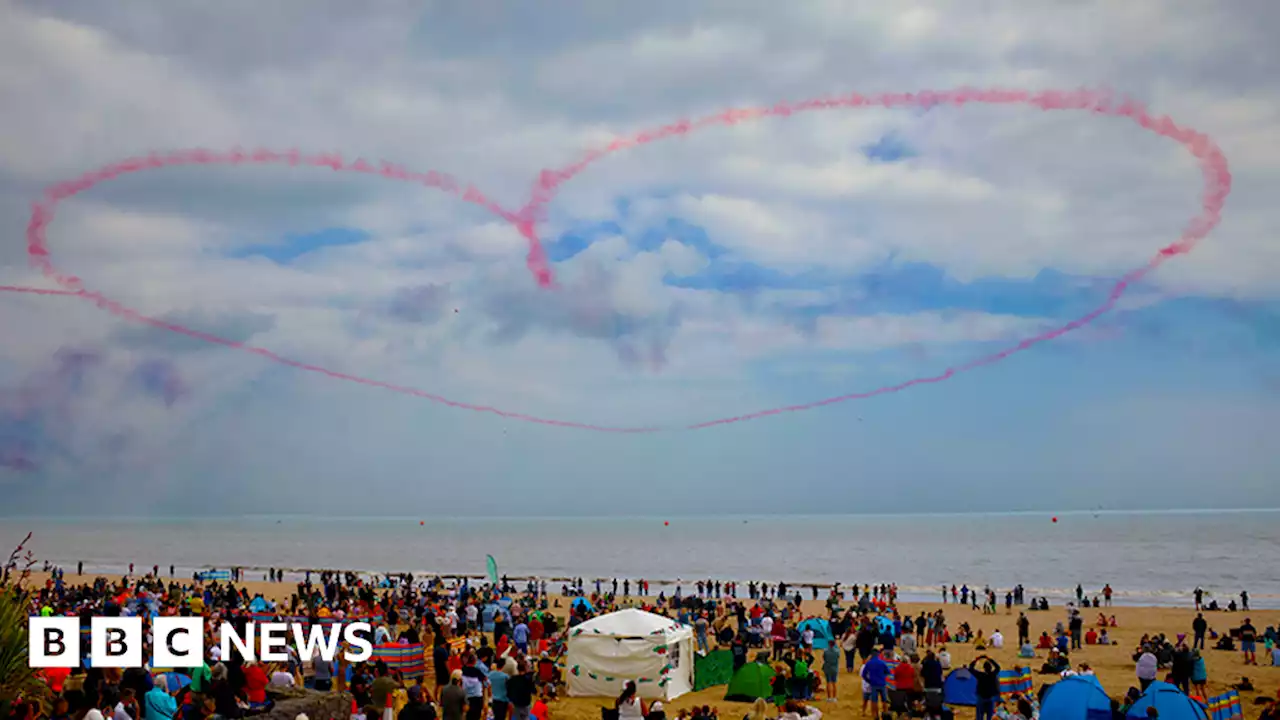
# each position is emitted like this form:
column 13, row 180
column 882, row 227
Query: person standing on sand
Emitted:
column 987, row 686
column 1249, row 642
column 1106, row 595
column 453, row 699
column 831, row 669
column 520, row 691
column 875, row 675
column 849, row 644
column 1244, row 601
column 1199, row 593
column 1198, row 628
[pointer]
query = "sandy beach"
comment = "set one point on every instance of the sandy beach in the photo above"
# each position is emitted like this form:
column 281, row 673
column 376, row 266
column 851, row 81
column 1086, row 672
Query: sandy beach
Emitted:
column 1114, row 664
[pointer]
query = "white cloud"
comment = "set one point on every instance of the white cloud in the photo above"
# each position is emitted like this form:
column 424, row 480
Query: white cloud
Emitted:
column 990, row 192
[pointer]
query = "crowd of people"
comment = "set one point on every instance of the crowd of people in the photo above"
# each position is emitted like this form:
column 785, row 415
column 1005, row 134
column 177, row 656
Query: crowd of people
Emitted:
column 503, row 659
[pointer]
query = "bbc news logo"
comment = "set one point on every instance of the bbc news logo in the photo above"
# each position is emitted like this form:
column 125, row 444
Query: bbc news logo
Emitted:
column 117, row 642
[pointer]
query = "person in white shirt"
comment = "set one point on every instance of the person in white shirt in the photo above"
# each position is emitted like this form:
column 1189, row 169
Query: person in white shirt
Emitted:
column 944, row 658
column 127, row 708
column 997, row 640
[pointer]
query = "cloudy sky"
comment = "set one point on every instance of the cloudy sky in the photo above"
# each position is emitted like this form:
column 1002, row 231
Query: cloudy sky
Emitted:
column 776, row 262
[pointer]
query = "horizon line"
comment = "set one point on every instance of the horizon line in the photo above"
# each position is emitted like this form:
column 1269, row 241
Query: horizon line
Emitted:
column 593, row 516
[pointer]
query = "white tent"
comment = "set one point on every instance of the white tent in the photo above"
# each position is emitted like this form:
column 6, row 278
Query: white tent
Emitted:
column 654, row 652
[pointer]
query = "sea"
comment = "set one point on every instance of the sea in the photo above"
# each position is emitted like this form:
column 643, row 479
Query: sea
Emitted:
column 1149, row 558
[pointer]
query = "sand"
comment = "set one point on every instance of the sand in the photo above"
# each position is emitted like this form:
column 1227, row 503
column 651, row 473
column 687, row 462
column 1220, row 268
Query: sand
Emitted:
column 1113, row 664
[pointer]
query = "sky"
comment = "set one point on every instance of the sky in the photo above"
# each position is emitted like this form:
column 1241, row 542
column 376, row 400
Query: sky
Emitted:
column 777, row 262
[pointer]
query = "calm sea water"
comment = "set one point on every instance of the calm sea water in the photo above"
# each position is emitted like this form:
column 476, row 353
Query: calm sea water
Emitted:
column 1149, row 558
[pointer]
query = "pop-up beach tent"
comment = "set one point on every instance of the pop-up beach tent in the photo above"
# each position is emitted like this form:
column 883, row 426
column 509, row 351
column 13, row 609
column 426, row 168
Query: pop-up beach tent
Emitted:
column 960, row 688
column 1078, row 697
column 605, row 652
column 822, row 635
column 1169, row 701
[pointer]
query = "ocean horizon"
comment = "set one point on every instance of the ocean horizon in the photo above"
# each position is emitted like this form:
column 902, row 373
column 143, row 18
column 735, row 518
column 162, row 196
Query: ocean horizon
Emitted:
column 1150, row 557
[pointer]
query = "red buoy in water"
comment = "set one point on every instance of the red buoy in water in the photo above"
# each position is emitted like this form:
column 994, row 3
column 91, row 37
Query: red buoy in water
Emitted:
column 666, row 522
column 1055, row 518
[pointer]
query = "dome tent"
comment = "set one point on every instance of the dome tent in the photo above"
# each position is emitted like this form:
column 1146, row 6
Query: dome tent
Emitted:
column 605, row 652
column 753, row 680
column 1078, row 697
column 822, row 635
column 1169, row 701
column 960, row 688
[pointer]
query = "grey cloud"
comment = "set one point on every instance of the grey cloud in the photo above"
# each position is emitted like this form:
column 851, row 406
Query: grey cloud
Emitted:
column 419, row 304
column 583, row 308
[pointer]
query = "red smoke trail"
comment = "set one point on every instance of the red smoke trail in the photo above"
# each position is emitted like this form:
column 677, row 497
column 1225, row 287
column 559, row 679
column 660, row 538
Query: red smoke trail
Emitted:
column 1213, row 165
column 36, row 291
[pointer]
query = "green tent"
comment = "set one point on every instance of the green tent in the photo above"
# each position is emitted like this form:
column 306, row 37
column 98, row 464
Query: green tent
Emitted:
column 753, row 680
column 714, row 668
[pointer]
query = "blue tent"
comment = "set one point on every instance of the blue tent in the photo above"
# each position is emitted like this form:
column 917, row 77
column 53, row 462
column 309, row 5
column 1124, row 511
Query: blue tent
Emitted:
column 1078, row 697
column 175, row 681
column 960, row 688
column 822, row 635
column 1169, row 701
column 582, row 602
column 487, row 616
column 258, row 604
column 885, row 625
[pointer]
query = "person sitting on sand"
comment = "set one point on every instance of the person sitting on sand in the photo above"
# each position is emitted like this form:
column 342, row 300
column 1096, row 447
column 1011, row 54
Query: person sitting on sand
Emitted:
column 997, row 640
column 759, row 711
column 1102, row 620
column 979, row 642
column 629, row 705
column 797, row 710
column 1026, row 651
column 1046, row 642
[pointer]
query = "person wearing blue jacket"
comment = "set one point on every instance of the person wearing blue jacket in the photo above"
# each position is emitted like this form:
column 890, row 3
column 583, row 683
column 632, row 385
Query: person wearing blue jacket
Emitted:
column 159, row 704
column 876, row 675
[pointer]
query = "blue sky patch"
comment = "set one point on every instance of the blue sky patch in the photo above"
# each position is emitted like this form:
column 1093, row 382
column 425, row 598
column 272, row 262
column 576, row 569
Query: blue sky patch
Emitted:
column 295, row 245
column 889, row 148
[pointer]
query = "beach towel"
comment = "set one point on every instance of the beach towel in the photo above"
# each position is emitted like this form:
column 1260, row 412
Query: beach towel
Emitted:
column 1226, row 707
